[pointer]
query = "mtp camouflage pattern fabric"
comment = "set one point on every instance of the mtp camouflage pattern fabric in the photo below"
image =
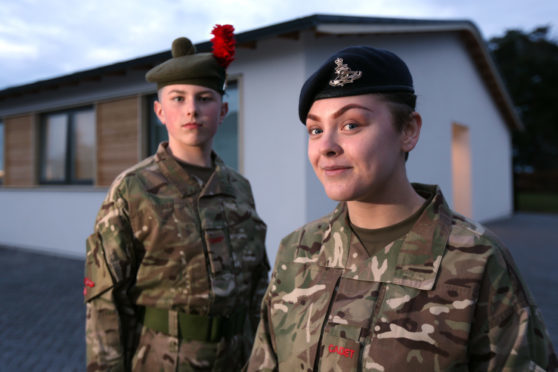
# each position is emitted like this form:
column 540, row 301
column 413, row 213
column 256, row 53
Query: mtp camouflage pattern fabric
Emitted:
column 445, row 297
column 163, row 240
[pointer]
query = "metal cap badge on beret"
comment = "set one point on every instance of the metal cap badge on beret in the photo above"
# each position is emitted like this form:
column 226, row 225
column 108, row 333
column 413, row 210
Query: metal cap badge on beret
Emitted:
column 353, row 71
column 188, row 67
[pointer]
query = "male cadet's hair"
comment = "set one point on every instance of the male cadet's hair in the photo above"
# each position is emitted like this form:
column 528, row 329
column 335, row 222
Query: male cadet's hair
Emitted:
column 204, row 69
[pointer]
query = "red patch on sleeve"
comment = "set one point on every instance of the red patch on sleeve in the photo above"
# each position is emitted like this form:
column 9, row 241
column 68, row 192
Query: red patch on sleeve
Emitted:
column 88, row 283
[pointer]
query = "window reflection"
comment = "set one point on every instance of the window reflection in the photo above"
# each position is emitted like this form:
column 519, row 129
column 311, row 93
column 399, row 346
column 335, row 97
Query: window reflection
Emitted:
column 84, row 135
column 68, row 147
column 56, row 137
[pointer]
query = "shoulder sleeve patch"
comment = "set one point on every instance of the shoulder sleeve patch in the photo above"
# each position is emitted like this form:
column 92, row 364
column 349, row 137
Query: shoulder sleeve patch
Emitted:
column 97, row 276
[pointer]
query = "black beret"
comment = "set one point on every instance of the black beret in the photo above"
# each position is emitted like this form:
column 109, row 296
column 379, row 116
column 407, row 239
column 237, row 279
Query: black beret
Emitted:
column 188, row 67
column 353, row 71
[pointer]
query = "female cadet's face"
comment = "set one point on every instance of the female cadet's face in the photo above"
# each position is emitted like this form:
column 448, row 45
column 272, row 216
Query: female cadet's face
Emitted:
column 354, row 147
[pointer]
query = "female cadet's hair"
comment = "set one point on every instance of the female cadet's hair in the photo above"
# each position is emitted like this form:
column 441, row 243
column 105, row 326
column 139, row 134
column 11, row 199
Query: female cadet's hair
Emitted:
column 401, row 106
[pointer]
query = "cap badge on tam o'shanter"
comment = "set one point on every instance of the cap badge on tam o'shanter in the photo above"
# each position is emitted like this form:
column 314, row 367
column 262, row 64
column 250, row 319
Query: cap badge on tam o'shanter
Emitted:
column 344, row 74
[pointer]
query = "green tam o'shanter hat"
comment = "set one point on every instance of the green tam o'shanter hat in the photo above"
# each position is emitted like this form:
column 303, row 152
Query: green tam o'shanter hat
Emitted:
column 204, row 69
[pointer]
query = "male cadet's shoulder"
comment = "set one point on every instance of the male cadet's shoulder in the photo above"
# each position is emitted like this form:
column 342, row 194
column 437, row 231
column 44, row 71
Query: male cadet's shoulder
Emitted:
column 130, row 176
column 240, row 185
column 237, row 179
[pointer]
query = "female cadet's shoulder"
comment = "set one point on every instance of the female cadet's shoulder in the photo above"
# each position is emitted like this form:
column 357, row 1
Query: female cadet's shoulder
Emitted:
column 474, row 237
column 488, row 252
column 306, row 241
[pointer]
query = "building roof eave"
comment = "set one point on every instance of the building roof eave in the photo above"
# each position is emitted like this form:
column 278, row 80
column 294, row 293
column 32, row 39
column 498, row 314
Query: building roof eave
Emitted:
column 321, row 24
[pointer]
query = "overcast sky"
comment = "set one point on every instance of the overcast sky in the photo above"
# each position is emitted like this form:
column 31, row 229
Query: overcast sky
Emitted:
column 44, row 39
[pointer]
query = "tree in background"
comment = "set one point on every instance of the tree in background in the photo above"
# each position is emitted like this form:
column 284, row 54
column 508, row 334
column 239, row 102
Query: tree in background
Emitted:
column 528, row 63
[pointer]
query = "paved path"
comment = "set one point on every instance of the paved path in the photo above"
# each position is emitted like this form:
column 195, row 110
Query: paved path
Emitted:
column 42, row 313
column 533, row 242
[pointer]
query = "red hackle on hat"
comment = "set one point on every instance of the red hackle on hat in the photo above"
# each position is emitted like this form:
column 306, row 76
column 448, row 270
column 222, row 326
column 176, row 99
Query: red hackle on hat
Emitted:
column 223, row 44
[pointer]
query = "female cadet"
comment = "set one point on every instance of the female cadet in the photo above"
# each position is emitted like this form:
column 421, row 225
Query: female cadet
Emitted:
column 176, row 267
column 392, row 279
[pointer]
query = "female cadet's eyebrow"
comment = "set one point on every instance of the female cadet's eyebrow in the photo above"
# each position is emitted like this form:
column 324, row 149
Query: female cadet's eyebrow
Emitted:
column 348, row 107
column 341, row 111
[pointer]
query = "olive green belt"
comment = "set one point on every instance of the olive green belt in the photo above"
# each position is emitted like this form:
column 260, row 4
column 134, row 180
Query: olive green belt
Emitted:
column 195, row 327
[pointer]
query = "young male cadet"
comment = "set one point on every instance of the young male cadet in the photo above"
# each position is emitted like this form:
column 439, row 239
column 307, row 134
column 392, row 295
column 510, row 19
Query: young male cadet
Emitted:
column 176, row 267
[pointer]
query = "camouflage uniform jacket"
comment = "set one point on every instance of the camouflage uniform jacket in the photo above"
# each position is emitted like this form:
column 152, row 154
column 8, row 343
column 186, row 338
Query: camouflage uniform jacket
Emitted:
column 446, row 296
column 163, row 241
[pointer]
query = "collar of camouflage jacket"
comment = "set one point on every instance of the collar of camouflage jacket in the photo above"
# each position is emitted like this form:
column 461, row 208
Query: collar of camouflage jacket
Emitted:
column 218, row 184
column 412, row 261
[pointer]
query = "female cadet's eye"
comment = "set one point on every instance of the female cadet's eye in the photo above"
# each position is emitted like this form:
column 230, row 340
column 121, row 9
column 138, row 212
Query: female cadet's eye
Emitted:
column 314, row 131
column 350, row 126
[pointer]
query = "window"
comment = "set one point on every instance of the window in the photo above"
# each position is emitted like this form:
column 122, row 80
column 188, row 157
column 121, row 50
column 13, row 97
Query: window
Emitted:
column 225, row 142
column 1, row 152
column 67, row 147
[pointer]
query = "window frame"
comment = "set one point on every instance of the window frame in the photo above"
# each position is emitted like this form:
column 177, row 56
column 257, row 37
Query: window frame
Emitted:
column 70, row 148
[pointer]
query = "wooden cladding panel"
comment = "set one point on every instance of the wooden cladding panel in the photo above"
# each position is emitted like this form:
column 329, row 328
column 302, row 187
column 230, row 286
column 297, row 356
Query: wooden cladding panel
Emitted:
column 19, row 161
column 117, row 138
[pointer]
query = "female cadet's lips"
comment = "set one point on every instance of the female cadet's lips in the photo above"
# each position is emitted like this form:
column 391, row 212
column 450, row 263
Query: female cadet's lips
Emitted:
column 335, row 170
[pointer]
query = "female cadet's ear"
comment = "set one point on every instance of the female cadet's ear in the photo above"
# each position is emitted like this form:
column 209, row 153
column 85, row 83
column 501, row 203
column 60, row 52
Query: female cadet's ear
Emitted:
column 411, row 132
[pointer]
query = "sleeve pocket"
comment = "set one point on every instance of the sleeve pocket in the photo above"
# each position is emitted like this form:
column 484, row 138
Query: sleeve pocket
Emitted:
column 97, row 276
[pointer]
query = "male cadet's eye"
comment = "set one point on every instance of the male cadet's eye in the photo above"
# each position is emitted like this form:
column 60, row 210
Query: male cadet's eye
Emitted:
column 205, row 98
column 178, row 98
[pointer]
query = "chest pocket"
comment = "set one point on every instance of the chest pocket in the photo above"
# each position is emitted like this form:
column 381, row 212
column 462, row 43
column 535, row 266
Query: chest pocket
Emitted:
column 246, row 233
column 215, row 232
column 348, row 325
column 425, row 329
column 171, row 250
column 339, row 354
column 300, row 298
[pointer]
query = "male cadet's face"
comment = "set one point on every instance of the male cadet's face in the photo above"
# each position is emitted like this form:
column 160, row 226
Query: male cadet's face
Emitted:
column 191, row 113
column 354, row 148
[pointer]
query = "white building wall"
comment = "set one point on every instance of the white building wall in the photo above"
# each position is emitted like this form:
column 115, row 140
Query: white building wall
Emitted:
column 273, row 142
column 450, row 90
column 50, row 220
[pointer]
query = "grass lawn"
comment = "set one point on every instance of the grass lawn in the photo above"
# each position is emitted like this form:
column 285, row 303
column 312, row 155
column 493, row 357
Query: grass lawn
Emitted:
column 537, row 202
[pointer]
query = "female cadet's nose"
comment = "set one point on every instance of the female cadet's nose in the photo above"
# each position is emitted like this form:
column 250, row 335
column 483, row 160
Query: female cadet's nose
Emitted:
column 329, row 145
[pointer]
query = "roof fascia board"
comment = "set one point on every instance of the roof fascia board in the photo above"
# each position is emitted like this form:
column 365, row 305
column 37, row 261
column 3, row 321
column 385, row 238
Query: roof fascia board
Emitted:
column 342, row 29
